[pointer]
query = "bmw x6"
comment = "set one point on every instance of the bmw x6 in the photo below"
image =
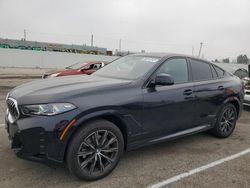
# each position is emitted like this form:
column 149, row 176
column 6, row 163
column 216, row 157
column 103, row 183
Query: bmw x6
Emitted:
column 88, row 121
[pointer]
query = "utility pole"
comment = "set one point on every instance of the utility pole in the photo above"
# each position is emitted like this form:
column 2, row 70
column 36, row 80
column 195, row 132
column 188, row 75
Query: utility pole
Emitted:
column 24, row 35
column 192, row 50
column 200, row 49
column 120, row 45
column 92, row 40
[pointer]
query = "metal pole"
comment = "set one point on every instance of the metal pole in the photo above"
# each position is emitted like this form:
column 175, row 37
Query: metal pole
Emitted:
column 200, row 49
column 24, row 35
column 120, row 45
column 92, row 40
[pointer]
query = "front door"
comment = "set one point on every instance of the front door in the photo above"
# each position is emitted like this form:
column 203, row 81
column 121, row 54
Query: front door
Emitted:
column 169, row 109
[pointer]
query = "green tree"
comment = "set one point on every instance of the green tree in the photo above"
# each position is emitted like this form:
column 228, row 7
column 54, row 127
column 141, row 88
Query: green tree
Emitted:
column 242, row 59
column 225, row 60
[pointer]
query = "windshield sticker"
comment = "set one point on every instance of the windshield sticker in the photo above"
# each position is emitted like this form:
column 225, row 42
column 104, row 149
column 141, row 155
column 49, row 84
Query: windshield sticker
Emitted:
column 150, row 59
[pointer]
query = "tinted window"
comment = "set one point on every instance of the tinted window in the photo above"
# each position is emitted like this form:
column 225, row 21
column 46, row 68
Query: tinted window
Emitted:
column 241, row 73
column 219, row 71
column 201, row 70
column 177, row 68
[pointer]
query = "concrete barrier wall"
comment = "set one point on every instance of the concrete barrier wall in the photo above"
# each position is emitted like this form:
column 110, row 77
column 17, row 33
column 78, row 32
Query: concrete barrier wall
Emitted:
column 41, row 59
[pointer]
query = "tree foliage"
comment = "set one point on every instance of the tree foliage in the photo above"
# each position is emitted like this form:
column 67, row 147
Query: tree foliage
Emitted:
column 225, row 60
column 242, row 59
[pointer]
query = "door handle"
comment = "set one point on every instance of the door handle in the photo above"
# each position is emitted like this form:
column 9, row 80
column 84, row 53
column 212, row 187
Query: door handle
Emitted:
column 188, row 92
column 221, row 87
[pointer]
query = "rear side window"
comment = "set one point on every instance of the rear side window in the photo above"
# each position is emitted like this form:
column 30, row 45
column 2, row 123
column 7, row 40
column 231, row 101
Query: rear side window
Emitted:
column 201, row 70
column 177, row 68
column 219, row 71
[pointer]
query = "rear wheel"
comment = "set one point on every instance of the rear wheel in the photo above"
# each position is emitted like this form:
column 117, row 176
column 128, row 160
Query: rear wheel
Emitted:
column 226, row 121
column 95, row 150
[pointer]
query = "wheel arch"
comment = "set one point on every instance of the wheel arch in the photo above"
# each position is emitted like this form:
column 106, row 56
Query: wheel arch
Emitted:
column 236, row 102
column 108, row 115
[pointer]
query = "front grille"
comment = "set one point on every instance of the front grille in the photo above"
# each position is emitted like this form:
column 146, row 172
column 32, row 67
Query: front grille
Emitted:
column 13, row 108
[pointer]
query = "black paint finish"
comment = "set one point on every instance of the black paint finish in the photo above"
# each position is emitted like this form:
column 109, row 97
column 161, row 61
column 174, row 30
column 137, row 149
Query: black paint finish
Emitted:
column 145, row 114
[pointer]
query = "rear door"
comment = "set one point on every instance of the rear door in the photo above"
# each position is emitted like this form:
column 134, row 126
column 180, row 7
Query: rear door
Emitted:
column 208, row 91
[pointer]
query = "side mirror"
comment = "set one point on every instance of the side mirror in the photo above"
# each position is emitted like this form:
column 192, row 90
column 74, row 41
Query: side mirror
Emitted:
column 164, row 79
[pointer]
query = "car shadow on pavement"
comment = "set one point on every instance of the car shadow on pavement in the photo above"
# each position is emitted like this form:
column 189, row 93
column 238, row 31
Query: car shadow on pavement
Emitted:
column 32, row 174
column 247, row 108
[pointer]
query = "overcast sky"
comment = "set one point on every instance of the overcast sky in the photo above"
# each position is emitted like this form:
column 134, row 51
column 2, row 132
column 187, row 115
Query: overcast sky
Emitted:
column 152, row 25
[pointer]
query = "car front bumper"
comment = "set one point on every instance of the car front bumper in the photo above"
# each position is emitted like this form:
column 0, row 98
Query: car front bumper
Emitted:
column 37, row 138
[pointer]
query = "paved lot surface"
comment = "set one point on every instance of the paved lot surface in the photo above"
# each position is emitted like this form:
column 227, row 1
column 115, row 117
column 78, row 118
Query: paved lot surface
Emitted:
column 142, row 167
column 10, row 72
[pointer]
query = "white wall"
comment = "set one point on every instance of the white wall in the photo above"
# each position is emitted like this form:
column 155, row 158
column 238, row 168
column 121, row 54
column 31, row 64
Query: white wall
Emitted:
column 28, row 58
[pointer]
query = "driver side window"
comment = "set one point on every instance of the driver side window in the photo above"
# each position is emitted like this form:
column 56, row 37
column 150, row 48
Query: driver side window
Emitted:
column 177, row 68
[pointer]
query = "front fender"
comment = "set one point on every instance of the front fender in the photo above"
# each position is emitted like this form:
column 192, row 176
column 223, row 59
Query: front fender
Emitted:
column 131, row 126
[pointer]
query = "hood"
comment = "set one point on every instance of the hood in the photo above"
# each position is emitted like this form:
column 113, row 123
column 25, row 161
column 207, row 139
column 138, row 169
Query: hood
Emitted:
column 62, row 89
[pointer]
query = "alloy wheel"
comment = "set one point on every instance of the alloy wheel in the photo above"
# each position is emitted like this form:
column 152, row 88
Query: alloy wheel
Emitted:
column 228, row 120
column 97, row 152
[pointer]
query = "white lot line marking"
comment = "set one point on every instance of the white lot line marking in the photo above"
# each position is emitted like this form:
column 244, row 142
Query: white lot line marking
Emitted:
column 197, row 170
column 2, row 125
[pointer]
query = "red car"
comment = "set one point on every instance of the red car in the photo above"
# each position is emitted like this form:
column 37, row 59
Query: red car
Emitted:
column 76, row 69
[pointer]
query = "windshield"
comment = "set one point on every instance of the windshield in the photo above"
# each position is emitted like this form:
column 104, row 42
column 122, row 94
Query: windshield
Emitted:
column 76, row 65
column 129, row 67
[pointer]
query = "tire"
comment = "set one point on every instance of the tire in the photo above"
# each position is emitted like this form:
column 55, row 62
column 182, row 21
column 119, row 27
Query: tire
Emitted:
column 89, row 158
column 226, row 121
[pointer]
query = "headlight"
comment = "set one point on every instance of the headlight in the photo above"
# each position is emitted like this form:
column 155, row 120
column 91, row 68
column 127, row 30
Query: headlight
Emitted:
column 53, row 75
column 47, row 109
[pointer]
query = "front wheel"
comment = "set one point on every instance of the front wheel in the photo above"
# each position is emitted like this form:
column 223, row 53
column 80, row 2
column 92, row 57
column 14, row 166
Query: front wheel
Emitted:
column 226, row 121
column 95, row 150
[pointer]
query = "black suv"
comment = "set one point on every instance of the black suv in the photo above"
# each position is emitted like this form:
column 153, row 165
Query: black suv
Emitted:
column 89, row 121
